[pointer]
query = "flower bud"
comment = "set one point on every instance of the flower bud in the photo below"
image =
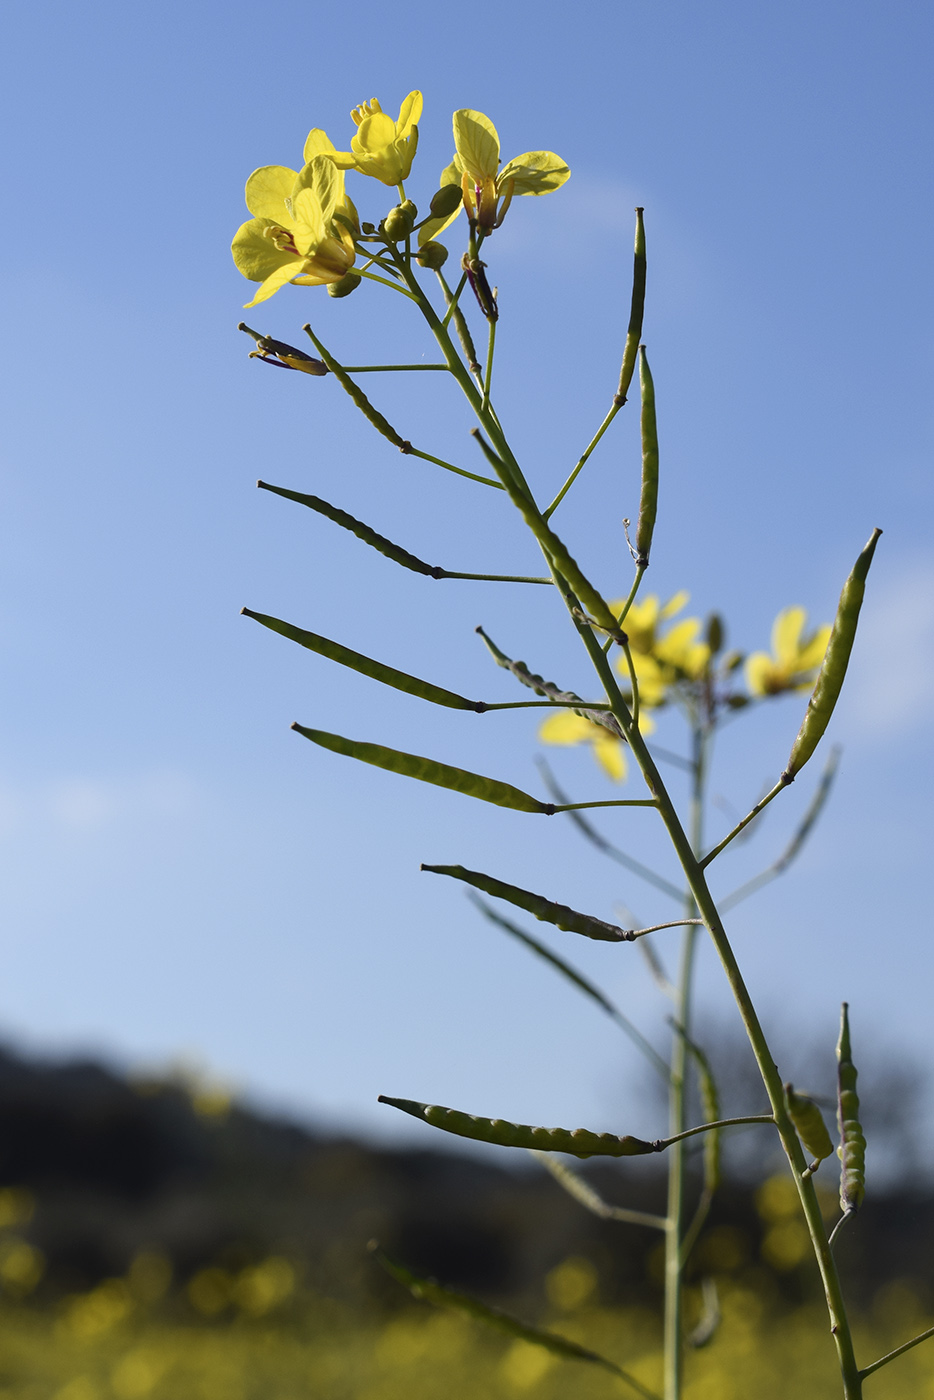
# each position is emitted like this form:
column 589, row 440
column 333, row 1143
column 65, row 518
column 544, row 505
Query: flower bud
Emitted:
column 400, row 221
column 444, row 203
column 347, row 284
column 714, row 633
column 433, row 255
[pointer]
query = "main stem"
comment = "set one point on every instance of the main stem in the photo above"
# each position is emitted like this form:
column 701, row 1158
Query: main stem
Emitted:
column 677, row 1097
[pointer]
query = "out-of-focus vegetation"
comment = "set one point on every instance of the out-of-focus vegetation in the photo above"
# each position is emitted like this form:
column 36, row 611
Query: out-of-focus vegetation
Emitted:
column 158, row 1240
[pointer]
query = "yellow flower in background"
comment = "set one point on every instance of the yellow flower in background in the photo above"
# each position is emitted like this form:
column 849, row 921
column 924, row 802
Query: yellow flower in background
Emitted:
column 302, row 229
column 566, row 728
column 795, row 657
column 382, row 147
column 661, row 659
column 487, row 190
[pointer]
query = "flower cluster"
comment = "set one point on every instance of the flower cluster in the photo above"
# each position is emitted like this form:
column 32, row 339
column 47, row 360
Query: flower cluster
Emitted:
column 676, row 664
column 305, row 229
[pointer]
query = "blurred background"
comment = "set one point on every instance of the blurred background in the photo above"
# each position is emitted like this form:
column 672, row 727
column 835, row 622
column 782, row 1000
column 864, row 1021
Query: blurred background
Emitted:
column 195, row 898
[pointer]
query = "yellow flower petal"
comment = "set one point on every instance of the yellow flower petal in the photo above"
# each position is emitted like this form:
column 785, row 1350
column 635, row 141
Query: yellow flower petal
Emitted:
column 536, row 172
column 477, row 145
column 565, row 727
column 759, row 673
column 318, row 144
column 610, row 755
column 812, row 652
column 255, row 256
column 267, row 189
column 786, row 634
column 276, row 280
column 410, row 113
column 675, row 604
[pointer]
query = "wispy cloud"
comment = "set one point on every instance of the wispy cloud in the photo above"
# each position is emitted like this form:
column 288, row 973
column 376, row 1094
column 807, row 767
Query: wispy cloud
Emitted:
column 80, row 803
column 892, row 675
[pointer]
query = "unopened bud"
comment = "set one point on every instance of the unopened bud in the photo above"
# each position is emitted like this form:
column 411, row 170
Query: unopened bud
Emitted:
column 433, row 255
column 714, row 633
column 444, row 203
column 399, row 222
column 347, row 284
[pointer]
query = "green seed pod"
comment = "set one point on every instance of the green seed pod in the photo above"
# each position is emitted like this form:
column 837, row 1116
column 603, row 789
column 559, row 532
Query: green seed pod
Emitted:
column 833, row 668
column 400, row 221
column 578, row 1142
column 648, row 499
column 809, row 1125
column 852, row 1149
column 433, row 255
column 634, row 333
column 445, row 201
column 348, row 283
column 356, row 393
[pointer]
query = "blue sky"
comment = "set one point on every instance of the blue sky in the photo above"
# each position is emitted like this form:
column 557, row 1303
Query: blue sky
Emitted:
column 186, row 877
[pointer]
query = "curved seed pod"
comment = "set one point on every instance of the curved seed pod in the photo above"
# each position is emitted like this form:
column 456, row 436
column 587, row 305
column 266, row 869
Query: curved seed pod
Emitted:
column 543, row 909
column 809, row 1125
column 460, row 323
column 852, row 1149
column 578, row 1142
column 433, row 1292
column 399, row 680
column 634, row 333
column 381, row 424
column 549, row 689
column 648, row 499
column 833, row 667
column 554, row 547
column 410, row 765
column 363, row 532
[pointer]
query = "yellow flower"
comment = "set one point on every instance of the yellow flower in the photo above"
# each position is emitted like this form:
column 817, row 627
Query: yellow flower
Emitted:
column 382, row 148
column 565, row 727
column 487, row 190
column 795, row 657
column 661, row 660
column 302, row 229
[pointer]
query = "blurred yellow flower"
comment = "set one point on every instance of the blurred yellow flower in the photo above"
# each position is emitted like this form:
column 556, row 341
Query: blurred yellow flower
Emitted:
column 382, row 147
column 566, row 728
column 302, row 229
column 661, row 660
column 795, row 656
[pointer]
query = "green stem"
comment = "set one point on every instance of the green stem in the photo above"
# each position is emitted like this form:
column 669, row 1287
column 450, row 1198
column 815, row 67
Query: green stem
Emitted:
column 640, row 571
column 899, row 1351
column 449, row 467
column 677, row 1105
column 582, row 460
column 721, row 1123
column 495, row 578
column 618, row 802
column 488, row 378
column 372, row 277
column 371, row 369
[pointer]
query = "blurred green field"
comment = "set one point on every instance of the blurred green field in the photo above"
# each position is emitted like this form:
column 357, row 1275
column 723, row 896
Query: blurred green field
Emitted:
column 259, row 1335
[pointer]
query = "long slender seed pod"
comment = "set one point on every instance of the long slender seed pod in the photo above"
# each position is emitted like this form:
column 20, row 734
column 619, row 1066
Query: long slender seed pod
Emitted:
column 852, row 1149
column 634, row 334
column 549, row 689
column 648, row 499
column 579, row 1142
column 427, row 770
column 381, row 424
column 463, row 330
column 809, row 1125
column 545, row 910
column 433, row 1292
column 565, row 564
column 833, row 667
column 363, row 532
column 376, row 670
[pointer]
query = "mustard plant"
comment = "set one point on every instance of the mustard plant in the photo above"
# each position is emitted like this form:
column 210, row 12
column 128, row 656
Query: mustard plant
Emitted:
column 305, row 230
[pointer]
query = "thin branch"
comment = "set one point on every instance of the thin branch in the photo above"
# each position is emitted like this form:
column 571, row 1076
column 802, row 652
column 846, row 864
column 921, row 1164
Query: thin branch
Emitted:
column 899, row 1351
column 794, row 846
column 712, row 855
column 634, row 866
column 583, row 1192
